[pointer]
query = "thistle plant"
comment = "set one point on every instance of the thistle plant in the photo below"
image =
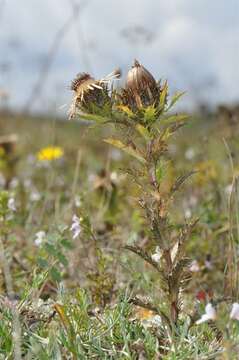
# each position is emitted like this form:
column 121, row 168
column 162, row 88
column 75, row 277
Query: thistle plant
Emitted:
column 143, row 122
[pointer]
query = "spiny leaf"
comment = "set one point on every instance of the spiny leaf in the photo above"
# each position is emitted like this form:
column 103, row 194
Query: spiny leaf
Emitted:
column 126, row 110
column 175, row 98
column 181, row 180
column 163, row 96
column 141, row 253
column 171, row 129
column 150, row 114
column 174, row 118
column 143, row 131
column 129, row 149
column 93, row 117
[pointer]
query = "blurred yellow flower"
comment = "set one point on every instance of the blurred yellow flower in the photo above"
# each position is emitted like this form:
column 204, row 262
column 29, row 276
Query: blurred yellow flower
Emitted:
column 50, row 153
column 144, row 314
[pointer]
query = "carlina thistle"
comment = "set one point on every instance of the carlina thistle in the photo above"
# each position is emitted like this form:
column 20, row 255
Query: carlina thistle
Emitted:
column 141, row 88
column 90, row 93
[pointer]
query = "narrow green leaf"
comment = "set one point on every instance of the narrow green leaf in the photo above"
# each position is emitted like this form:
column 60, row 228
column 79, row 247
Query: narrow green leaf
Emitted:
column 174, row 118
column 163, row 96
column 129, row 149
column 93, row 117
column 175, row 98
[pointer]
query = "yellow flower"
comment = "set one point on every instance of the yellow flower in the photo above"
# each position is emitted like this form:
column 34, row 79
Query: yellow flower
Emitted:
column 50, row 153
column 144, row 314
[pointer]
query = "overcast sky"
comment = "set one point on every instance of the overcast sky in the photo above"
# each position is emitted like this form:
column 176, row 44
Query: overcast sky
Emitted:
column 193, row 43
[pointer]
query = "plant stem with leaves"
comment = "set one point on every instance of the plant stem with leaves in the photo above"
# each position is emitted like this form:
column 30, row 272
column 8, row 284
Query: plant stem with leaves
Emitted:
column 141, row 115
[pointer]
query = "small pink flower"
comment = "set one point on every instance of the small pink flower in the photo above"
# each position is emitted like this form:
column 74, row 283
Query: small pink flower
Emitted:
column 194, row 267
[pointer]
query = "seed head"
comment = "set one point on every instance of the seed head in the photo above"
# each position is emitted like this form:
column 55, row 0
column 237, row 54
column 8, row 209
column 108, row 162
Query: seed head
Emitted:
column 81, row 79
column 8, row 142
column 88, row 93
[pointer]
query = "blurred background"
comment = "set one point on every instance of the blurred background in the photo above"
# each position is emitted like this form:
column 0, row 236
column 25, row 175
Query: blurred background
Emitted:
column 43, row 44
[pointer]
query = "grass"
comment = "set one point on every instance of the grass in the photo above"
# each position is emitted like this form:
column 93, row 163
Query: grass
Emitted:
column 73, row 297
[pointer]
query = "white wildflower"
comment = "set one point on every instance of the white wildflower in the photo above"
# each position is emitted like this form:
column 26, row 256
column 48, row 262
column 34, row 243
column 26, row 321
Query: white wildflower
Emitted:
column 208, row 264
column 235, row 311
column 156, row 320
column 14, row 183
column 11, row 204
column 75, row 227
column 157, row 255
column 152, row 321
column 40, row 236
column 114, row 176
column 210, row 314
column 78, row 201
column 35, row 196
column 27, row 183
column 194, row 267
column 189, row 154
column 228, row 189
column 188, row 213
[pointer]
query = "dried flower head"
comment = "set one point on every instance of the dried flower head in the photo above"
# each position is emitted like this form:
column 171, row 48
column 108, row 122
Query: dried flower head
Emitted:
column 90, row 93
column 81, row 80
column 141, row 88
column 7, row 143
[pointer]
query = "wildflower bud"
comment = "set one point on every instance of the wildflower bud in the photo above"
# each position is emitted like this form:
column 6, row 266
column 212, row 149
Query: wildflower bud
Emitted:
column 142, row 85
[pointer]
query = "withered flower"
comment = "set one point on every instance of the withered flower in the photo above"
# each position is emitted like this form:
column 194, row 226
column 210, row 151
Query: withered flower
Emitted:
column 141, row 88
column 90, row 93
column 8, row 158
column 8, row 142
